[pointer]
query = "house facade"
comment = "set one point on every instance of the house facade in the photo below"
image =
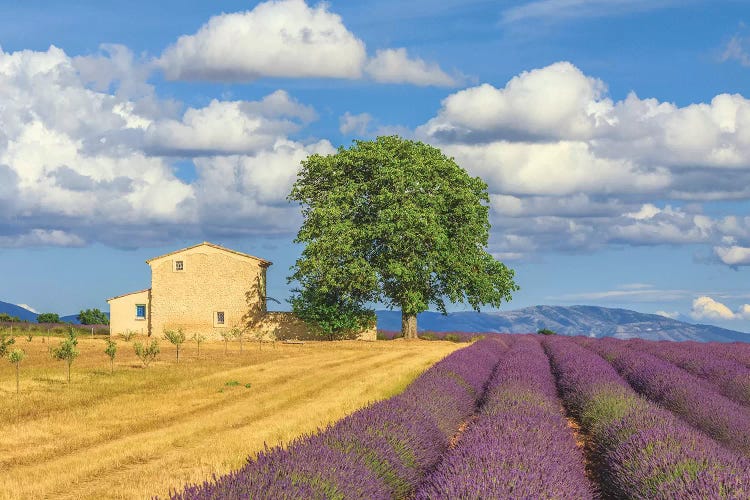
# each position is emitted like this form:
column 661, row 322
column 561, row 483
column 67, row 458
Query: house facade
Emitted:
column 205, row 289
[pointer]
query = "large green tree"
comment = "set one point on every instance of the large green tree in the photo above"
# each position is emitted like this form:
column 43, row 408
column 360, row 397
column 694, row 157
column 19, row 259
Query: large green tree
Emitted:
column 93, row 317
column 396, row 221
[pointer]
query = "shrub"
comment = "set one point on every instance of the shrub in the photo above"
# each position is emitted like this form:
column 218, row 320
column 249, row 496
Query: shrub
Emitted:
column 452, row 337
column 127, row 335
column 15, row 357
column 48, row 318
column 546, row 331
column 146, row 353
column 110, row 351
column 199, row 339
column 5, row 343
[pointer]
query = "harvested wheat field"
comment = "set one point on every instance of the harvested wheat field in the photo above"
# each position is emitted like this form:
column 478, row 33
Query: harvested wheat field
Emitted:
column 141, row 431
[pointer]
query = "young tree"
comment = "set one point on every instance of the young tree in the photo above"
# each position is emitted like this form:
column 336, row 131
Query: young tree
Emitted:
column 110, row 351
column 7, row 318
column 398, row 222
column 93, row 317
column 239, row 334
column 48, row 318
column 177, row 338
column 67, row 351
column 15, row 357
column 199, row 339
column 146, row 353
column 5, row 343
column 227, row 336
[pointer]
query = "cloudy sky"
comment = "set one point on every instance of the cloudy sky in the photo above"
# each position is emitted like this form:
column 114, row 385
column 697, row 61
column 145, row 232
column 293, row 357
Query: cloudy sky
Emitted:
column 614, row 136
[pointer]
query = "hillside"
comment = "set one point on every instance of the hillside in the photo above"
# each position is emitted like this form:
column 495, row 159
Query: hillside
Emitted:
column 17, row 311
column 574, row 320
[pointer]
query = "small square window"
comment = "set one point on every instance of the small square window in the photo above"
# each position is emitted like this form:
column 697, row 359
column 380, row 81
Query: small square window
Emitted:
column 220, row 318
column 179, row 265
column 140, row 311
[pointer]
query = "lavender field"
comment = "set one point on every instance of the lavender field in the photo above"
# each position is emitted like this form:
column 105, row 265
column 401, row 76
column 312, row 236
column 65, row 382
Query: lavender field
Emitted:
column 528, row 416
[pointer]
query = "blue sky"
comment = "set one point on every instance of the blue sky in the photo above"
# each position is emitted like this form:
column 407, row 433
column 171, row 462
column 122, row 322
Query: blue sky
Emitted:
column 614, row 136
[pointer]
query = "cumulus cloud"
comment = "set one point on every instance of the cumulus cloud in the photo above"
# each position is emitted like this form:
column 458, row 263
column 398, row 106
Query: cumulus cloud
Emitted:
column 278, row 38
column 396, row 66
column 229, row 127
column 733, row 255
column 288, row 38
column 95, row 163
column 572, row 169
column 707, row 308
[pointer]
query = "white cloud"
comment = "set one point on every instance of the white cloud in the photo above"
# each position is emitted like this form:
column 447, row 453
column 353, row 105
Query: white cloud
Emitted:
column 93, row 162
column 744, row 312
column 707, row 308
column 278, row 38
column 571, row 169
column 354, row 124
column 557, row 101
column 736, row 51
column 733, row 255
column 229, row 127
column 41, row 237
column 552, row 11
column 395, row 66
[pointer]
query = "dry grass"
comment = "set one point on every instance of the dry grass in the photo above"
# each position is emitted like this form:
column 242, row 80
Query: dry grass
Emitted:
column 140, row 432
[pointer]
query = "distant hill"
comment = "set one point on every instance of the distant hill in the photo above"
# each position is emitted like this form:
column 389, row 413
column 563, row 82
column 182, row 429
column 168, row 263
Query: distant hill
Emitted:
column 574, row 320
column 26, row 315
column 17, row 311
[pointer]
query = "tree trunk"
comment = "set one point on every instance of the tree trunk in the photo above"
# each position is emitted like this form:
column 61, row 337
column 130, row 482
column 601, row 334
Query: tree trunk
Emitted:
column 409, row 325
column 17, row 376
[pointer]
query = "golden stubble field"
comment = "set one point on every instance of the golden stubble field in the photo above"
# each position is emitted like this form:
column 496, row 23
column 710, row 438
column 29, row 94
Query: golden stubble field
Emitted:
column 141, row 431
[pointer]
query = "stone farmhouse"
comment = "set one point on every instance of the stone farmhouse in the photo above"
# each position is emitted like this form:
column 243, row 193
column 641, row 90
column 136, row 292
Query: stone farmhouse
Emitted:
column 206, row 289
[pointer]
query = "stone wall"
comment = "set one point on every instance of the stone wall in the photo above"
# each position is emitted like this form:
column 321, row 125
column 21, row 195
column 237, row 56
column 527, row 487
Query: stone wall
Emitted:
column 287, row 326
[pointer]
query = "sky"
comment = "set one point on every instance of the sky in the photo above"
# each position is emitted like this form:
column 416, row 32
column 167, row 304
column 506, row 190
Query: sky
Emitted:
column 614, row 136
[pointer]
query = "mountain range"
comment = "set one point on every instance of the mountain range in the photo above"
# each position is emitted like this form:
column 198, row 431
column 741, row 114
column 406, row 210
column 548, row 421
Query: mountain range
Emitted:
column 25, row 315
column 592, row 321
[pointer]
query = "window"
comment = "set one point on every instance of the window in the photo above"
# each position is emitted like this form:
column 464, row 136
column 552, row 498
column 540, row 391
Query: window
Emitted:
column 220, row 318
column 179, row 265
column 140, row 311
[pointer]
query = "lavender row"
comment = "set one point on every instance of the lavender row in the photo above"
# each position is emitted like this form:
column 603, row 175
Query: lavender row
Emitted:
column 692, row 398
column 520, row 445
column 735, row 351
column 730, row 377
column 382, row 451
column 639, row 449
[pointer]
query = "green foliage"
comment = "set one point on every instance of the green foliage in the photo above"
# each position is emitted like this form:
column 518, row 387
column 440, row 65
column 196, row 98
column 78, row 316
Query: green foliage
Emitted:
column 176, row 338
column 199, row 339
column 452, row 337
column 67, row 351
column 238, row 333
column 93, row 317
column 111, row 351
column 48, row 318
column 147, row 353
column 546, row 331
column 395, row 221
column 127, row 335
column 330, row 315
column 5, row 343
column 7, row 318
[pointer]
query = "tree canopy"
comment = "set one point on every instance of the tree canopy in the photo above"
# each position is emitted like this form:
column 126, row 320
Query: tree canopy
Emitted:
column 93, row 317
column 48, row 318
column 396, row 221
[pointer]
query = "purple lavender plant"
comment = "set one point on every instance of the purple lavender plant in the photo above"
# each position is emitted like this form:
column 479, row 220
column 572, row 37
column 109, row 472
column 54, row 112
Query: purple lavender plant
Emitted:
column 731, row 378
column 520, row 445
column 690, row 397
column 639, row 449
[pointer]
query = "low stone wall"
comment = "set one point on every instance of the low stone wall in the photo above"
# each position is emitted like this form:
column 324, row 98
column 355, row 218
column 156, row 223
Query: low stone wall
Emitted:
column 287, row 326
